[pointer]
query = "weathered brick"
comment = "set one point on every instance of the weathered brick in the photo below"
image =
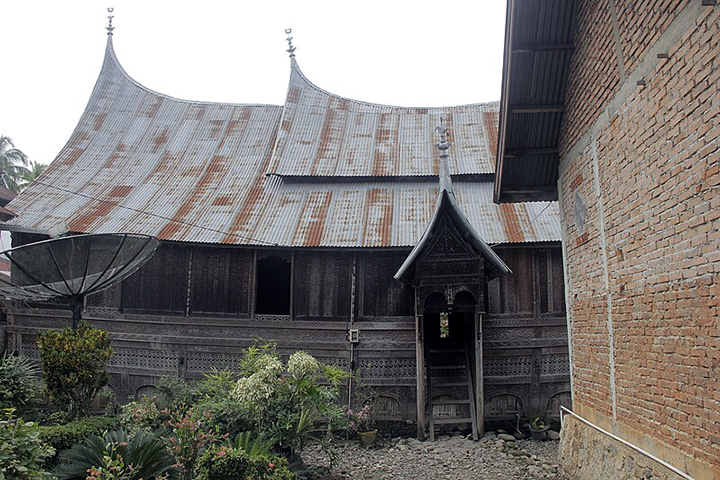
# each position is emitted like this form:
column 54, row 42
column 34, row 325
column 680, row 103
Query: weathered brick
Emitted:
column 658, row 161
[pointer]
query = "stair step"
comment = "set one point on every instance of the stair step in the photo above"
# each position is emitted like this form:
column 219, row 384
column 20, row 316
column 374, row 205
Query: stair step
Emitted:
column 447, row 367
column 441, row 351
column 451, row 402
column 450, row 382
column 448, row 421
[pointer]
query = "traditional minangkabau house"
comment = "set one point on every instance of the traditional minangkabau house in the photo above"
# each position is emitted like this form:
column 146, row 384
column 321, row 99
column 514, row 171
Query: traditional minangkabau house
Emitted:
column 325, row 224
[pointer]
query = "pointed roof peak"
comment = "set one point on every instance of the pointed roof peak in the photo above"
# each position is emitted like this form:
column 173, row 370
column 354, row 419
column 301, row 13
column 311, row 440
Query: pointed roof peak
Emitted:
column 446, row 202
column 110, row 17
column 291, row 49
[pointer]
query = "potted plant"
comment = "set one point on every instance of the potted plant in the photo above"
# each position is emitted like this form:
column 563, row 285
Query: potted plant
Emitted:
column 360, row 422
column 538, row 429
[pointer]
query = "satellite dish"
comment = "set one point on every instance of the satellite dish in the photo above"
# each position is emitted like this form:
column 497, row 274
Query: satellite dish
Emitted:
column 69, row 268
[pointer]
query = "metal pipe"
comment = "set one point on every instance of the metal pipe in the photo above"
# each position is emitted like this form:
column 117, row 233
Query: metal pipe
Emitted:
column 624, row 442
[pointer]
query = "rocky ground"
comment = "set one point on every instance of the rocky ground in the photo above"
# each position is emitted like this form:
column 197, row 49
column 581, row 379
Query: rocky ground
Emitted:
column 447, row 458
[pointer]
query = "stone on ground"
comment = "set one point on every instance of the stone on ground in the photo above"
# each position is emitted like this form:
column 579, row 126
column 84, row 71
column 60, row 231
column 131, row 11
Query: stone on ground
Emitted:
column 456, row 457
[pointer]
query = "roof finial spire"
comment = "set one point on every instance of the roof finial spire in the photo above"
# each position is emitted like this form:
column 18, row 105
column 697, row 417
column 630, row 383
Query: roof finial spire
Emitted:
column 291, row 49
column 444, row 144
column 110, row 27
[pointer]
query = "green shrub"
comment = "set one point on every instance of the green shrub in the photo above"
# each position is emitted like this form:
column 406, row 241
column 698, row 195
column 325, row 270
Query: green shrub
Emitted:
column 73, row 364
column 19, row 380
column 287, row 402
column 188, row 440
column 57, row 417
column 227, row 416
column 22, row 451
column 62, row 437
column 175, row 392
column 118, row 455
column 232, row 463
column 142, row 415
column 216, row 384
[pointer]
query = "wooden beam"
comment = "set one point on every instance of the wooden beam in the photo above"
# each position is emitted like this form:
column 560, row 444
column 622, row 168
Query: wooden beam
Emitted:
column 529, row 152
column 420, row 375
column 543, row 47
column 479, row 394
column 538, row 195
column 537, row 108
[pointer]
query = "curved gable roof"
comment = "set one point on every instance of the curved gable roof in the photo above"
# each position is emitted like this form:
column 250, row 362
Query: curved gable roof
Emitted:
column 143, row 162
column 325, row 135
column 181, row 161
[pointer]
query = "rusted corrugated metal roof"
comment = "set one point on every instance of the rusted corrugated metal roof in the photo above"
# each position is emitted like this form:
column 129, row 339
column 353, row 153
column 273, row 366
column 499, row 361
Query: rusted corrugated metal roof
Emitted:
column 143, row 162
column 326, row 135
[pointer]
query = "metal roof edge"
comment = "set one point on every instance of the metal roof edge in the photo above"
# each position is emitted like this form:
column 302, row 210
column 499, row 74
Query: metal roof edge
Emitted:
column 505, row 82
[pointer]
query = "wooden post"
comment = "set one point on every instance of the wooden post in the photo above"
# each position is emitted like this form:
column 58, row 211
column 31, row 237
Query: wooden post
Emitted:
column 420, row 360
column 479, row 397
column 253, row 285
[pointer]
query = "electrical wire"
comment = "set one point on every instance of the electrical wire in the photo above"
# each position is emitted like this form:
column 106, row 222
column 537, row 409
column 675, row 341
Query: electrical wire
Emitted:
column 250, row 239
column 522, row 229
column 143, row 212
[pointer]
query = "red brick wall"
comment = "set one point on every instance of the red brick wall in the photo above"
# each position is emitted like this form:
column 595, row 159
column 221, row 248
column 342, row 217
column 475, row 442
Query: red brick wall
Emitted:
column 595, row 71
column 658, row 172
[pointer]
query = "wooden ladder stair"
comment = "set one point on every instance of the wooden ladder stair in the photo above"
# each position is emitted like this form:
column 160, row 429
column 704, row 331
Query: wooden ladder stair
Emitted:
column 432, row 355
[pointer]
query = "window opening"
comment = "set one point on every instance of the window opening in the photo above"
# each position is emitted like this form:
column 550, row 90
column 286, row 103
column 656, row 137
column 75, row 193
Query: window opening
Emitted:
column 444, row 325
column 273, row 286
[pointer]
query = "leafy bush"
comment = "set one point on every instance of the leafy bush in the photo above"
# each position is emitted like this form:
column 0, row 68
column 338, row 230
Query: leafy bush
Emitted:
column 216, row 384
column 174, row 392
column 120, row 456
column 228, row 416
column 22, row 451
column 62, row 437
column 58, row 417
column 229, row 462
column 188, row 440
column 19, row 380
column 142, row 415
column 287, row 406
column 73, row 364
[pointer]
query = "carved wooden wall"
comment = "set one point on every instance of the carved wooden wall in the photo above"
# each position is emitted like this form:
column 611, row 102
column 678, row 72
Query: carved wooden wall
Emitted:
column 525, row 341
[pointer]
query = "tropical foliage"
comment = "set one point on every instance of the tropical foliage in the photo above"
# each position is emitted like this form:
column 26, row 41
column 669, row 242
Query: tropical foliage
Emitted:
column 62, row 437
column 22, row 452
column 33, row 171
column 285, row 402
column 19, row 382
column 13, row 165
column 118, row 455
column 73, row 364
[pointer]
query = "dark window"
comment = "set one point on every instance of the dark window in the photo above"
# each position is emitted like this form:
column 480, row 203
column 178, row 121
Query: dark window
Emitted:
column 273, row 286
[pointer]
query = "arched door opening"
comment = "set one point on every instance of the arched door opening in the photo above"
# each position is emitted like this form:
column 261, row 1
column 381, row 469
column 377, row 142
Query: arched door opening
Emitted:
column 451, row 362
column 273, row 286
column 449, row 325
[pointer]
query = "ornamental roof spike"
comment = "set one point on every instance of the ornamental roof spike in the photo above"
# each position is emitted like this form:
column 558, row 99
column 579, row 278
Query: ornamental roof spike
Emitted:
column 110, row 17
column 291, row 49
column 443, row 145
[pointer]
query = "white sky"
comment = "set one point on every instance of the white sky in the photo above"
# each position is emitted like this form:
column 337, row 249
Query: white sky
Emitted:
column 410, row 53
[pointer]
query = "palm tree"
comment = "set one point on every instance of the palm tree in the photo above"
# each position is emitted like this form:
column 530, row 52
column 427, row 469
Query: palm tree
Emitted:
column 13, row 164
column 34, row 171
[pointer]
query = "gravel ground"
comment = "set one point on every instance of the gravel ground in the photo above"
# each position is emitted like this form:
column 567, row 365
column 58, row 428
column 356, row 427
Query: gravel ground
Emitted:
column 455, row 458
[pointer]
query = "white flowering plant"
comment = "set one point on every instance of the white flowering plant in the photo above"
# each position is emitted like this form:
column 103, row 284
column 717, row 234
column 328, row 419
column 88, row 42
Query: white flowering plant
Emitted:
column 288, row 402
